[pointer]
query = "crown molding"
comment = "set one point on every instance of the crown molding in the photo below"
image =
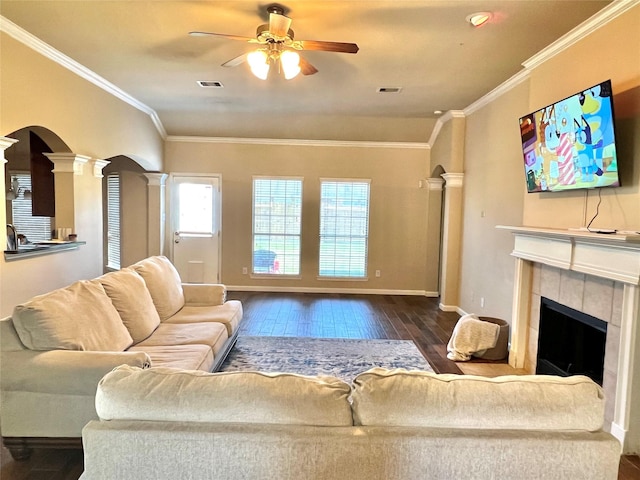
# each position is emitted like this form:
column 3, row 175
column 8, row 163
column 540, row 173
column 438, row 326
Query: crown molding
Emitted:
column 500, row 90
column 450, row 115
column 296, row 142
column 33, row 42
column 601, row 18
column 604, row 16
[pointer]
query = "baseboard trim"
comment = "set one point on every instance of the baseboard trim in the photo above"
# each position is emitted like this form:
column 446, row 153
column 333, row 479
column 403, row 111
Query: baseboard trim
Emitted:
column 448, row 308
column 347, row 291
column 618, row 432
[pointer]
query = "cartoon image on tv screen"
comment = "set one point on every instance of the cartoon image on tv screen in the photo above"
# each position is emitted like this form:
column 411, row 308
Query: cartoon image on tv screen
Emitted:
column 571, row 144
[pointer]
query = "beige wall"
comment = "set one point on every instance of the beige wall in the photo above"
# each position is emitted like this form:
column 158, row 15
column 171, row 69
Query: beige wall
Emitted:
column 494, row 176
column 493, row 195
column 134, row 217
column 398, row 207
column 611, row 52
column 447, row 154
column 35, row 91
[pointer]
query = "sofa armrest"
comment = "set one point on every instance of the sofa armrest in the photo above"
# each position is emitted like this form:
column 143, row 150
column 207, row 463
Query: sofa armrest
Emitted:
column 69, row 372
column 204, row 294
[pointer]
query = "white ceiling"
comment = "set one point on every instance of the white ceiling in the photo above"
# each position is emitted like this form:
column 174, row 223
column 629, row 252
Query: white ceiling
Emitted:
column 425, row 47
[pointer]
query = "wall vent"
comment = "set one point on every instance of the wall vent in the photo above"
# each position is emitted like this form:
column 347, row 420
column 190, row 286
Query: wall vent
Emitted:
column 389, row 89
column 210, row 84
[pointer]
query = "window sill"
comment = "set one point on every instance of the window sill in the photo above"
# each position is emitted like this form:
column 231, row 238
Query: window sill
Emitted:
column 262, row 276
column 343, row 279
column 37, row 250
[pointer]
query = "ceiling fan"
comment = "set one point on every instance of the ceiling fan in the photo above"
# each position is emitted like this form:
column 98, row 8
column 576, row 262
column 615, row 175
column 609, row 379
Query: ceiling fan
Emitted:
column 278, row 47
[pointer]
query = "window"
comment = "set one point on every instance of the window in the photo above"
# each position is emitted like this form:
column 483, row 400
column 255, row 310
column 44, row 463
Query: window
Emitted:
column 344, row 228
column 277, row 210
column 195, row 209
column 35, row 229
column 113, row 221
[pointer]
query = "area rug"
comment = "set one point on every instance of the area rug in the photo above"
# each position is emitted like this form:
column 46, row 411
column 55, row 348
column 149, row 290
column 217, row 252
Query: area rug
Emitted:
column 337, row 357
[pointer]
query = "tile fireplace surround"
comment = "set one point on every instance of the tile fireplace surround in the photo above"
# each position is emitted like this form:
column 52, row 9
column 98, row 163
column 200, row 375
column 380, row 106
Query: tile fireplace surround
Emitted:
column 598, row 274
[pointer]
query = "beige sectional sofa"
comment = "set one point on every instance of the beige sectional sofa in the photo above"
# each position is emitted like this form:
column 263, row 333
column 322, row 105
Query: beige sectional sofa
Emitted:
column 56, row 347
column 388, row 425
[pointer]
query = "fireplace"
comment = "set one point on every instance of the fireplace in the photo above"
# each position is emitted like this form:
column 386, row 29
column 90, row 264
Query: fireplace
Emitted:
column 595, row 274
column 570, row 342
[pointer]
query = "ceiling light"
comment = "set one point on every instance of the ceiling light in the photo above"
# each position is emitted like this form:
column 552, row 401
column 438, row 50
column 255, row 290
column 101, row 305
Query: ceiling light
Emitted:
column 286, row 61
column 437, row 112
column 290, row 62
column 479, row 18
column 259, row 63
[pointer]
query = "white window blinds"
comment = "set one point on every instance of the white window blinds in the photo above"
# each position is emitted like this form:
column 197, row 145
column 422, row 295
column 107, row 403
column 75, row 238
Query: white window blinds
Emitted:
column 344, row 228
column 277, row 211
column 113, row 221
column 34, row 228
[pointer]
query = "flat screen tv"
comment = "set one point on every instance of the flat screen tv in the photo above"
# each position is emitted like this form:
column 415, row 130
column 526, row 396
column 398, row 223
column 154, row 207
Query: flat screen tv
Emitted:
column 570, row 144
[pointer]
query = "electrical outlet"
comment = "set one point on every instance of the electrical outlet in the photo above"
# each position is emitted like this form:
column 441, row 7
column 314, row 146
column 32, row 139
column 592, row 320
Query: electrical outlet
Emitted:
column 377, row 273
column 481, row 302
column 244, row 270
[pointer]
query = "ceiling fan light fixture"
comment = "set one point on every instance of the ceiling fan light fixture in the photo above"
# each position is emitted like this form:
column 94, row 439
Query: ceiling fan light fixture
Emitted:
column 259, row 63
column 479, row 18
column 290, row 62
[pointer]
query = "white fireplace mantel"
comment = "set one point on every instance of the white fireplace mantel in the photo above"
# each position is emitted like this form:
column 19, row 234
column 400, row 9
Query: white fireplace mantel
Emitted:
column 611, row 256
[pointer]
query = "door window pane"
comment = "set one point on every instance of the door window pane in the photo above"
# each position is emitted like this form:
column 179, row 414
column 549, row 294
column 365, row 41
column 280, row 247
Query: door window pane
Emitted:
column 195, row 209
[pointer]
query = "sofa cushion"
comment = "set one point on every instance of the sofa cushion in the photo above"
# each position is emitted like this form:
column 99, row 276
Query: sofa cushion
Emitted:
column 229, row 314
column 128, row 293
column 186, row 357
column 164, row 284
column 77, row 317
column 211, row 334
column 240, row 397
column 530, row 402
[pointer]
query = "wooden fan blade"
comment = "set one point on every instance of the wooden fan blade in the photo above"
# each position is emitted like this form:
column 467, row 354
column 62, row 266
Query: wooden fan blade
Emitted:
column 279, row 25
column 234, row 62
column 306, row 68
column 223, row 35
column 329, row 46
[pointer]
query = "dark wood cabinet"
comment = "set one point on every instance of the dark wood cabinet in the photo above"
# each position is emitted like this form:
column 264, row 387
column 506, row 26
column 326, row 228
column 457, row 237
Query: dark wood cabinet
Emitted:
column 42, row 179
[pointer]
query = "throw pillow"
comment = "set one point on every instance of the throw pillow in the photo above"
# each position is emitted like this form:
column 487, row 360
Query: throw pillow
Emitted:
column 77, row 317
column 130, row 296
column 164, row 284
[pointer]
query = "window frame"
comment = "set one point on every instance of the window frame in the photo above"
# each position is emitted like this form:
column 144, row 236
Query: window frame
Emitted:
column 365, row 276
column 253, row 273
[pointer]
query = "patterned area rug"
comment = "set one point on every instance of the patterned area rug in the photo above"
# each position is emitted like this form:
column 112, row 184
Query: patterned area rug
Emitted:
column 337, row 357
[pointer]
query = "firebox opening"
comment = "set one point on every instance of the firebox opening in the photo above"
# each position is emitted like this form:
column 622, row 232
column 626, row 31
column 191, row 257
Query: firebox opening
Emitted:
column 570, row 342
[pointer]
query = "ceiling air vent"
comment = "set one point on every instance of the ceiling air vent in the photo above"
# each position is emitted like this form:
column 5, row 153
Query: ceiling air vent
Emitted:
column 389, row 89
column 210, row 84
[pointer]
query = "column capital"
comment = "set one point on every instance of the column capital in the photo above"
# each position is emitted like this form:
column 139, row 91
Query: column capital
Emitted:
column 6, row 142
column 155, row 179
column 453, row 179
column 435, row 184
column 98, row 165
column 67, row 162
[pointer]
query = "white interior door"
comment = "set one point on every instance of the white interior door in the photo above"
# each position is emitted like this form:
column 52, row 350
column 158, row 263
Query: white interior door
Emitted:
column 195, row 207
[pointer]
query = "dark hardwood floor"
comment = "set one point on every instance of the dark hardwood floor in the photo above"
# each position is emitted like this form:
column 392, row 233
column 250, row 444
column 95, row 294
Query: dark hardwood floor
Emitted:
column 313, row 315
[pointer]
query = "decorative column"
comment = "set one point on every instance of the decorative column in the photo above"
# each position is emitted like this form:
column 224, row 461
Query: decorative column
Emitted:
column 451, row 236
column 66, row 166
column 156, row 213
column 434, row 220
column 5, row 142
